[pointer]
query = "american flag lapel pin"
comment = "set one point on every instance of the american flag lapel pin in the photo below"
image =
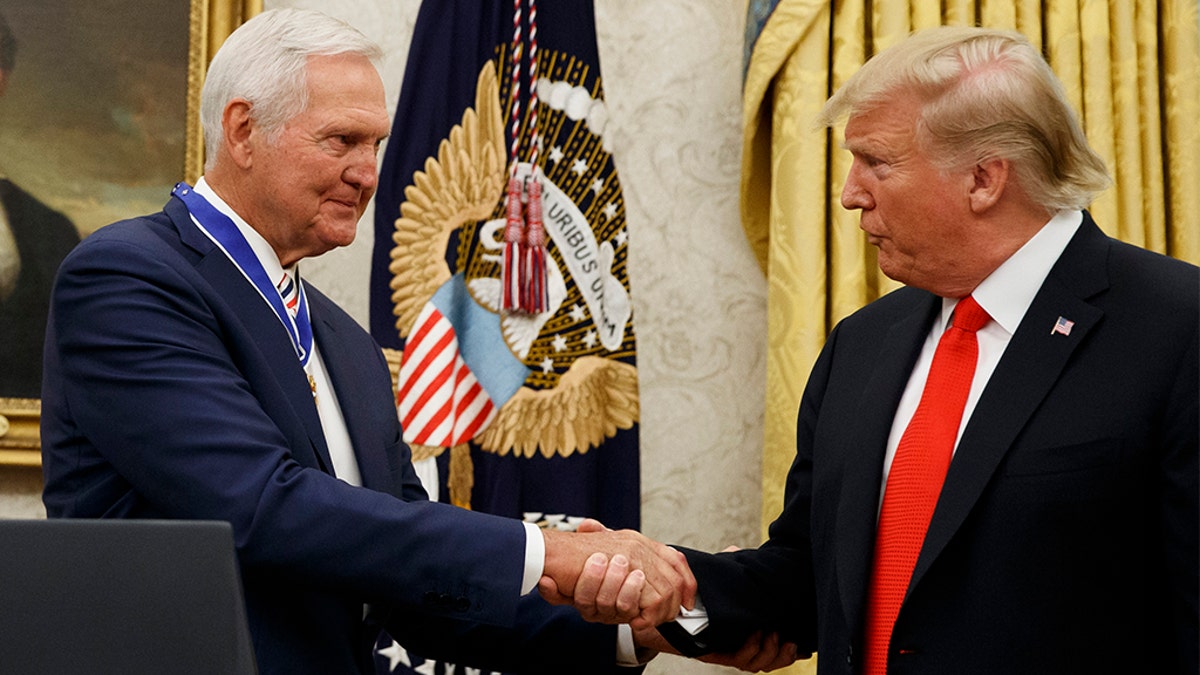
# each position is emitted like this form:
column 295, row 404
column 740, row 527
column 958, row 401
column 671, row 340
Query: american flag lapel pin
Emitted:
column 1062, row 327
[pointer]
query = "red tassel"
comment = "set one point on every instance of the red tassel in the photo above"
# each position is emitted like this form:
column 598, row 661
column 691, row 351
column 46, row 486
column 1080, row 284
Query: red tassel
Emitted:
column 514, row 235
column 536, row 296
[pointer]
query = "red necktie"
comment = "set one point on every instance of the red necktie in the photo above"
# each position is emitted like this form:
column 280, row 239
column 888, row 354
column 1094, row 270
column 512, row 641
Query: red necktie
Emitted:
column 916, row 477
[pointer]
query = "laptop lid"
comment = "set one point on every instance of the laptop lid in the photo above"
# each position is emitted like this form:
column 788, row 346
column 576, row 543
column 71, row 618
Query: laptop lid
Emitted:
column 121, row 596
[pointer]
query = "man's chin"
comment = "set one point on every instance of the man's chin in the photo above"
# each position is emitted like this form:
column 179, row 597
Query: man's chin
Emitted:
column 890, row 270
column 336, row 234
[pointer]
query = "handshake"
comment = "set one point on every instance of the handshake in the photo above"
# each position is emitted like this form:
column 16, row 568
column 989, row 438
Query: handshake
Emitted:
column 624, row 577
column 616, row 576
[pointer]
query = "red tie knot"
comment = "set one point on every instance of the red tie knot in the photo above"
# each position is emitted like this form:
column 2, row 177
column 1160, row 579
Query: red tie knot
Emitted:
column 969, row 316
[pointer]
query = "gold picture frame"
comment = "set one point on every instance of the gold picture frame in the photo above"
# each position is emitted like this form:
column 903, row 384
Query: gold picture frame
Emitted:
column 209, row 23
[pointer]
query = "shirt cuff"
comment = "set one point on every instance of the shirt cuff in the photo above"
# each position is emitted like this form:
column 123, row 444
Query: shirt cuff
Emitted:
column 535, row 558
column 693, row 620
column 626, row 650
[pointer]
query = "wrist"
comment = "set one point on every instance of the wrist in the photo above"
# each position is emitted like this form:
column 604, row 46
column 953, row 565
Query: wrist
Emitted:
column 557, row 563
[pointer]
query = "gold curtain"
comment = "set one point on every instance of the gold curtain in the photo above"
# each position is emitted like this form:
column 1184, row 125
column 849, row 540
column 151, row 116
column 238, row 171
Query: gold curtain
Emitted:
column 1131, row 69
column 211, row 22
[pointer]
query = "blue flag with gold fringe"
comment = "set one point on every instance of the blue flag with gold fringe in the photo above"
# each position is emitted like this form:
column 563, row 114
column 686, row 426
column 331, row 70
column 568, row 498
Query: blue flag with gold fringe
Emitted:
column 531, row 410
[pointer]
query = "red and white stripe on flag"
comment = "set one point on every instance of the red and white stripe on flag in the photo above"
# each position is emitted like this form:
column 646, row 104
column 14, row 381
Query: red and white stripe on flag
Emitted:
column 439, row 400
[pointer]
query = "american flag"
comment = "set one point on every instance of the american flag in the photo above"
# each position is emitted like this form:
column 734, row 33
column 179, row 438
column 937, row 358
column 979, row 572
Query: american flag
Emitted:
column 1062, row 327
column 445, row 398
column 440, row 400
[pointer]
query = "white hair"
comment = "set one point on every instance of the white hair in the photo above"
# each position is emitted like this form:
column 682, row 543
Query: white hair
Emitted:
column 264, row 62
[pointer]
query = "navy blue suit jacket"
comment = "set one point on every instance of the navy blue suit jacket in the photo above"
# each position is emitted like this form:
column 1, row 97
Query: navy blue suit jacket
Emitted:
column 172, row 391
column 1065, row 538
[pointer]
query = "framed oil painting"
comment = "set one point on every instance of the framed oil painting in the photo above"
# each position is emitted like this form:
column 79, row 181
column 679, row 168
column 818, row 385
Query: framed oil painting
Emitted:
column 99, row 105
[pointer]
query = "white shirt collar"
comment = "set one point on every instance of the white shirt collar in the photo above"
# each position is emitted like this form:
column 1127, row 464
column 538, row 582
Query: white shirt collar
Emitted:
column 1007, row 292
column 262, row 250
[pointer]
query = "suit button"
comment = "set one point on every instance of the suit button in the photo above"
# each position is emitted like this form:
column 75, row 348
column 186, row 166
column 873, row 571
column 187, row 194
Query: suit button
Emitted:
column 850, row 655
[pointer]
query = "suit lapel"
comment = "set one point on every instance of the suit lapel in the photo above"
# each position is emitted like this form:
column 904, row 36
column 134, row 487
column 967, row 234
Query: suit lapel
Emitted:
column 346, row 373
column 1027, row 372
column 862, row 471
column 273, row 342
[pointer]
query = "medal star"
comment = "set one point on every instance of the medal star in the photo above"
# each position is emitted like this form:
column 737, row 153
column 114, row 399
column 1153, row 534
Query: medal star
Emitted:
column 556, row 154
column 590, row 338
column 547, row 365
column 598, row 185
column 577, row 312
column 579, row 166
column 621, row 237
column 560, row 343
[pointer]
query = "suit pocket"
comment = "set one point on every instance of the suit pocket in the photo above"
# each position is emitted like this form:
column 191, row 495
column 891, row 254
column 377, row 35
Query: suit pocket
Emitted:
column 1062, row 458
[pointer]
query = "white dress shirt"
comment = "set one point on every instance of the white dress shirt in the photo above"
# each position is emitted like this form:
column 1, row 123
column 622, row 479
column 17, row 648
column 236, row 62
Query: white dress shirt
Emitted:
column 337, row 436
column 1005, row 295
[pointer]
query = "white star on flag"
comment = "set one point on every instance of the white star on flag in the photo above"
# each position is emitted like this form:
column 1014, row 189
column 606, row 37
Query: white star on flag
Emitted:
column 396, row 656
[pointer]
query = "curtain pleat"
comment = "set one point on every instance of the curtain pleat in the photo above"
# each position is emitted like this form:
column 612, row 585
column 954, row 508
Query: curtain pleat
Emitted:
column 1179, row 84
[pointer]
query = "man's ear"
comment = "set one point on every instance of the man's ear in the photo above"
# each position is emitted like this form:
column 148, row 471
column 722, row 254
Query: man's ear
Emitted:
column 237, row 125
column 989, row 180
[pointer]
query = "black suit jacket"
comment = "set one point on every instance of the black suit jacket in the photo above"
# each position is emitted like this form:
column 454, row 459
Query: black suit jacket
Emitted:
column 1065, row 538
column 173, row 391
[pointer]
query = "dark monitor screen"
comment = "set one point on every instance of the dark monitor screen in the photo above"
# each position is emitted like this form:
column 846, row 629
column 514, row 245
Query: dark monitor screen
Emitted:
column 121, row 596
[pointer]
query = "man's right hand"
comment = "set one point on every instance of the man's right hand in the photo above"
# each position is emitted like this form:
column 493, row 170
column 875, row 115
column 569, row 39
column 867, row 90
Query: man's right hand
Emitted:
column 653, row 573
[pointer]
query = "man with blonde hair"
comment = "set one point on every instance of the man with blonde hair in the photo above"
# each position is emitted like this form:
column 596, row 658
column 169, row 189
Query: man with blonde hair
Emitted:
column 996, row 465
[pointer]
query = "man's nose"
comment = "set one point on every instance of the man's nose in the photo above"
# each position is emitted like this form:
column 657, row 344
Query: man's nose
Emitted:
column 853, row 194
column 362, row 170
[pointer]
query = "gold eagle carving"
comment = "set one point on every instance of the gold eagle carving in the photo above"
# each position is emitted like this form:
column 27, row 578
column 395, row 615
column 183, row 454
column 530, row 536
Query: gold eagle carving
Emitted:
column 596, row 396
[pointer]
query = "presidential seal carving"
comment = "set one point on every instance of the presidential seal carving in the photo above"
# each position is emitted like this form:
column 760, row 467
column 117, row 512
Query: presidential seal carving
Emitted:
column 555, row 382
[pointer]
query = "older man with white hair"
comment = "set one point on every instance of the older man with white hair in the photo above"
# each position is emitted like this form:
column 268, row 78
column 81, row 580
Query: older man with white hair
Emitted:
column 192, row 374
